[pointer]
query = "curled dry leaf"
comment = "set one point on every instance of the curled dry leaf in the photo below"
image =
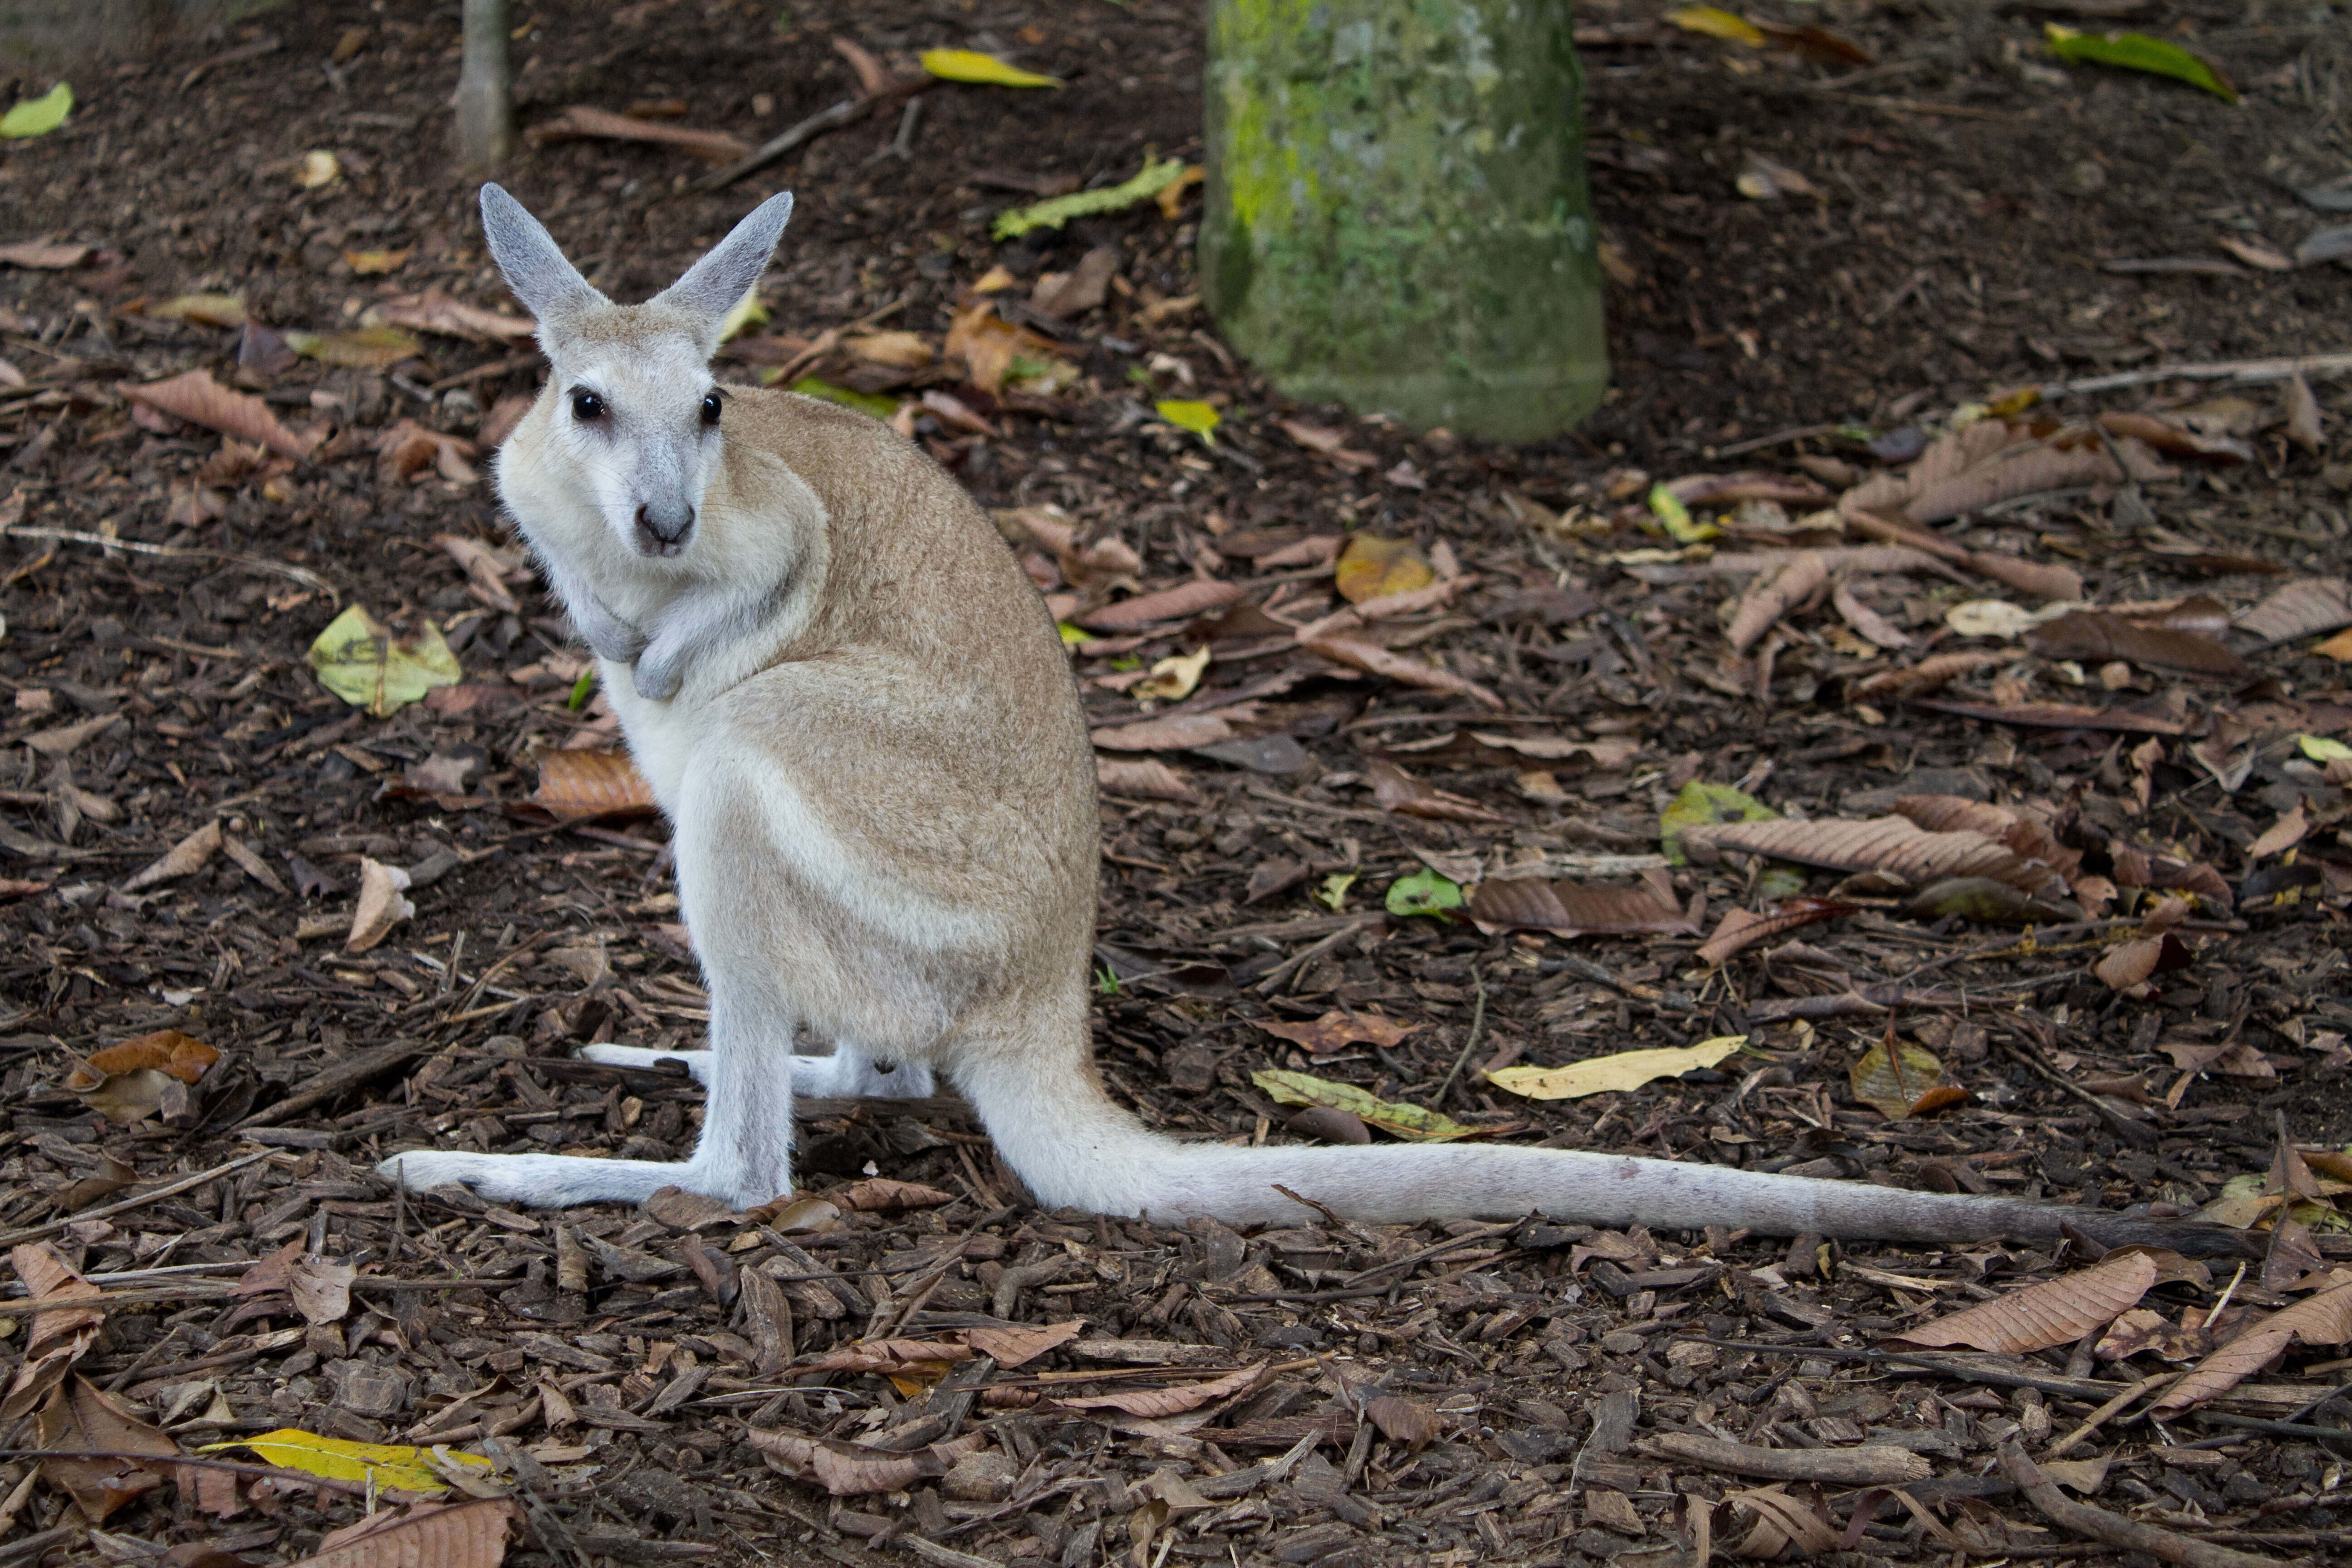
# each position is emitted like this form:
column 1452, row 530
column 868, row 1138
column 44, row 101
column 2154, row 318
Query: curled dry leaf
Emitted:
column 59, row 1338
column 198, row 398
column 2086, row 635
column 1167, row 604
column 381, row 905
column 84, row 1419
column 1022, row 1342
column 1337, row 1029
column 1802, row 577
column 1171, row 733
column 850, row 1469
column 1781, row 1521
column 1393, row 789
column 1743, row 929
column 575, row 785
column 143, row 1077
column 1608, row 753
column 2055, row 1312
column 1894, row 844
column 1145, row 779
column 484, row 571
column 1328, row 1124
column 2301, row 608
column 434, row 312
column 186, row 858
column 2130, row 965
column 880, row 1195
column 1571, row 908
column 1936, row 669
column 1872, row 626
column 1610, row 1074
column 409, row 449
column 1158, row 1404
column 2058, row 715
column 1373, row 659
column 1402, row 1420
column 2322, row 1320
column 423, row 1535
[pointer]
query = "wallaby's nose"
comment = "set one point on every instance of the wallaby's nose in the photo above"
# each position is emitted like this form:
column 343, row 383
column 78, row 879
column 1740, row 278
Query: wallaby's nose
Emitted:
column 662, row 530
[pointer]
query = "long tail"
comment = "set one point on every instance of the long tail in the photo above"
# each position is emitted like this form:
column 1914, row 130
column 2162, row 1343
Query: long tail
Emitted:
column 1076, row 1148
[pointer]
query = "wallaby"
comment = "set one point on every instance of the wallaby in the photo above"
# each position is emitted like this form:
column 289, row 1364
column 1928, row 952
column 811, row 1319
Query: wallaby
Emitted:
column 855, row 712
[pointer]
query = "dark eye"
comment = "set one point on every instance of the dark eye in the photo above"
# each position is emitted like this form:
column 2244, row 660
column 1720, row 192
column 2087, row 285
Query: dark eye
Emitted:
column 710, row 408
column 587, row 407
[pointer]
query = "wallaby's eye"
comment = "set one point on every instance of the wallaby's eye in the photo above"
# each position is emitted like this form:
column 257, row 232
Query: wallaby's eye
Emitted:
column 586, row 406
column 710, row 408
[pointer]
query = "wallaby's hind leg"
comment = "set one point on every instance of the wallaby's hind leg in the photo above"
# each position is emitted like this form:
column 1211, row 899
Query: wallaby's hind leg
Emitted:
column 744, row 1156
column 846, row 1074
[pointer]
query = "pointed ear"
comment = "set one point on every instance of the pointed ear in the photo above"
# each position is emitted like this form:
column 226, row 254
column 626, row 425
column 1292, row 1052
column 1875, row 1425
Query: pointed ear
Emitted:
column 550, row 287
column 713, row 286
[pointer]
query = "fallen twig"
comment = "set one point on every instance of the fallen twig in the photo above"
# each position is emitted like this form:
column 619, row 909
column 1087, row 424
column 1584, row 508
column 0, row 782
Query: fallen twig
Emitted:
column 168, row 1190
column 2098, row 1524
column 1870, row 1466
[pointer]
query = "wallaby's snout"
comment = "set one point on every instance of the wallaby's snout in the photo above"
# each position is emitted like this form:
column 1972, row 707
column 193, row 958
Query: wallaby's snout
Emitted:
column 663, row 528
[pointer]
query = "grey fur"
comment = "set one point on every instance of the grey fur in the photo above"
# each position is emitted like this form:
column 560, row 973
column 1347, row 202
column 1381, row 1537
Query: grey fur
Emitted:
column 712, row 285
column 534, row 266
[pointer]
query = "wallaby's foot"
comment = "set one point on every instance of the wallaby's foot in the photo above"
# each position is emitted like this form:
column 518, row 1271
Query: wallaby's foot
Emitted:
column 559, row 1181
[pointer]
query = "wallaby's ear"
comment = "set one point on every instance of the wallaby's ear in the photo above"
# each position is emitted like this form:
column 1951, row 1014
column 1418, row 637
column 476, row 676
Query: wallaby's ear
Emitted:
column 550, row 287
column 713, row 286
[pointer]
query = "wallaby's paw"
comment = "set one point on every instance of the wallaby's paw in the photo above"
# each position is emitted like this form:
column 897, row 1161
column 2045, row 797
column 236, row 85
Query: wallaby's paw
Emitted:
column 697, row 1063
column 541, row 1181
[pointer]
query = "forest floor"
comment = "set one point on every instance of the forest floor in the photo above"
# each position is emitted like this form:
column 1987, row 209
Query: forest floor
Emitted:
column 2140, row 999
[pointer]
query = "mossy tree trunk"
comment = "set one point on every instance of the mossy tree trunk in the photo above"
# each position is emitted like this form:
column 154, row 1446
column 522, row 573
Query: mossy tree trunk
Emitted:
column 1397, row 215
column 486, row 127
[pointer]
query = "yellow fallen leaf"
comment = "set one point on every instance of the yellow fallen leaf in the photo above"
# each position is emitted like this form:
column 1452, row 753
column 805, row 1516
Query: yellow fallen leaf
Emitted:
column 1411, row 1122
column 358, row 661
column 37, row 116
column 370, row 263
column 1718, row 23
column 1371, row 567
column 370, row 348
column 1173, row 678
column 318, row 168
column 390, row 1466
column 1188, row 414
column 1604, row 1075
column 970, row 65
column 205, row 309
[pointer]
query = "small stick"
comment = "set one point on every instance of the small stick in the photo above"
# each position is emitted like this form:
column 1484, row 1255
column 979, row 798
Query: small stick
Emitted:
column 171, row 1190
column 2099, row 1418
column 1477, row 1022
column 1282, row 973
column 1876, row 1465
column 2114, row 1529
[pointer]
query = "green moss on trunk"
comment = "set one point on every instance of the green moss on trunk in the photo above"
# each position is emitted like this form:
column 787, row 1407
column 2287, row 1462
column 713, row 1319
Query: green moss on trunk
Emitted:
column 1397, row 217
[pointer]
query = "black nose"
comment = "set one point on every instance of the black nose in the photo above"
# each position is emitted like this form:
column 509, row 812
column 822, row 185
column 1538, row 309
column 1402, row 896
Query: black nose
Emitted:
column 664, row 533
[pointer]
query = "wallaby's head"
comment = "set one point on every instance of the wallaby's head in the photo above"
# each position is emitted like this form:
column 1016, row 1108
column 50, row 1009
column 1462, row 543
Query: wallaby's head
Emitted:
column 636, row 418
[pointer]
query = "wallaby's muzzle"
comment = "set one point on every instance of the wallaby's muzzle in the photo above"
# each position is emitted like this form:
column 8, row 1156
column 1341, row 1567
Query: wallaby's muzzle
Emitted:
column 663, row 529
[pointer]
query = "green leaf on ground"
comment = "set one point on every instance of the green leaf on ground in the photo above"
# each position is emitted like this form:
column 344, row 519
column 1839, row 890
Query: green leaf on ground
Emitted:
column 1156, row 177
column 1905, row 1081
column 1201, row 418
column 1423, row 893
column 2139, row 52
column 1407, row 1122
column 370, row 348
column 1679, row 524
column 872, row 403
column 1604, row 1075
column 748, row 313
column 1701, row 804
column 359, row 660
column 986, row 70
column 37, row 116
column 1333, row 893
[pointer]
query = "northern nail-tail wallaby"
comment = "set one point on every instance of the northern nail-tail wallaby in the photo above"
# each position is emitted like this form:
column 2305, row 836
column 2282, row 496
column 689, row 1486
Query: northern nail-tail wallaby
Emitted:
column 855, row 713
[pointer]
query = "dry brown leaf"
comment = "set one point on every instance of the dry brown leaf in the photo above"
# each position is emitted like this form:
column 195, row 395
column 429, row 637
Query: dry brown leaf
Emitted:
column 1145, row 779
column 1872, row 626
column 198, row 398
column 1802, row 577
column 43, row 257
column 1158, row 1404
column 2174, row 436
column 485, row 571
column 2301, row 608
column 1167, row 604
column 1337, row 1029
column 2129, row 965
column 2023, row 832
column 84, row 1419
column 65, row 739
column 1899, row 1079
column 1608, row 753
column 1781, row 1521
column 1935, row 670
column 1371, row 567
column 573, row 784
column 1021, row 1342
column 321, row 1291
column 189, row 856
column 2322, row 1320
column 1402, row 1420
column 850, row 1470
column 1374, row 660
column 2304, row 427
column 59, row 1339
column 1742, row 929
column 2086, row 635
column 2059, row 716
column 2055, row 1312
column 888, row 1355
column 1172, row 732
column 184, row 1056
column 2285, row 834
column 2012, row 473
column 987, row 345
column 434, row 312
column 409, row 449
column 1894, row 844
column 380, row 905
column 580, row 122
column 1569, row 909
column 880, row 1195
column 1393, row 789
column 424, row 1535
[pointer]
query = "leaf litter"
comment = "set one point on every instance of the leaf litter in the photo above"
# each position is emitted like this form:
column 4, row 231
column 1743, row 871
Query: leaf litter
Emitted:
column 645, row 1344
